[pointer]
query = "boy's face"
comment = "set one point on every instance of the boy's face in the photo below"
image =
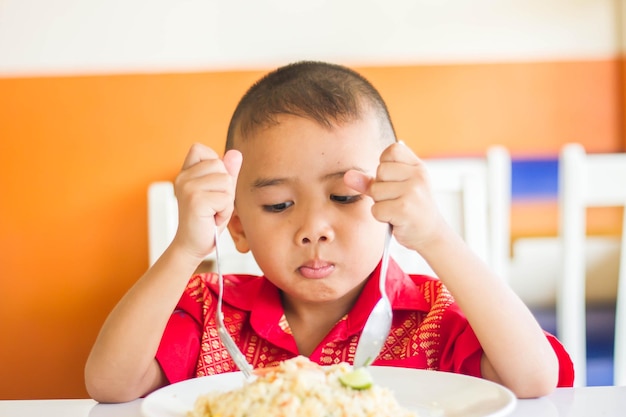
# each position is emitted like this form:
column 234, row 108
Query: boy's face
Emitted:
column 313, row 237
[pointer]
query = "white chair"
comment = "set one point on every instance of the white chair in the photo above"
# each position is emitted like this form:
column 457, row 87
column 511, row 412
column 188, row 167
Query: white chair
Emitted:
column 594, row 180
column 473, row 194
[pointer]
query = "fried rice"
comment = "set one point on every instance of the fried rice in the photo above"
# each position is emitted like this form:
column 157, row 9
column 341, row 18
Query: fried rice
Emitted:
column 299, row 387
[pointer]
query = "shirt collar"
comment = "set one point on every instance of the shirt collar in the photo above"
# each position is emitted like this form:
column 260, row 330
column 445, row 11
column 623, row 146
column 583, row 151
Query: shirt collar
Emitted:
column 258, row 296
column 262, row 299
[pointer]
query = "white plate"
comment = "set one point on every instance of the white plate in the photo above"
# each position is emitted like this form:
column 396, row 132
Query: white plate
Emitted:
column 430, row 393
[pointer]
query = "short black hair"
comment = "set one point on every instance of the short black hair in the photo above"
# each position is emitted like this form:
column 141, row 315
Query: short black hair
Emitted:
column 326, row 93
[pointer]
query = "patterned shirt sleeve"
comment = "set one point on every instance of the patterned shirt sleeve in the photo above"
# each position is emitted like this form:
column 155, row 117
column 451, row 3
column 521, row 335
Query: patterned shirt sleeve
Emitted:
column 461, row 352
column 459, row 349
column 180, row 344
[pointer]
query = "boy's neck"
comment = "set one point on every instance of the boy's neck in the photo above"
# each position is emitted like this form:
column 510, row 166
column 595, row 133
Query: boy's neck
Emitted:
column 311, row 322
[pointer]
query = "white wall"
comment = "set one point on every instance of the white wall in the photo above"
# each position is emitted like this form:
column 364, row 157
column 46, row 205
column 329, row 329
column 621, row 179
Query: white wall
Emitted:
column 109, row 36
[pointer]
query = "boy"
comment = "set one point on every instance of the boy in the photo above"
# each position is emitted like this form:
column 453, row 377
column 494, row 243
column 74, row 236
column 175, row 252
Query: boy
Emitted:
column 310, row 180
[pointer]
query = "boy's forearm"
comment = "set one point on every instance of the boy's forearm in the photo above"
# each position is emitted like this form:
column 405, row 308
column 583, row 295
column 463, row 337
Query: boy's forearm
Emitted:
column 517, row 353
column 122, row 365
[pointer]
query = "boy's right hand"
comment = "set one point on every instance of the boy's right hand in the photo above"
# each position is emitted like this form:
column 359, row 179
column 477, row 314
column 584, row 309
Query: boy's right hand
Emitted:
column 205, row 189
column 402, row 197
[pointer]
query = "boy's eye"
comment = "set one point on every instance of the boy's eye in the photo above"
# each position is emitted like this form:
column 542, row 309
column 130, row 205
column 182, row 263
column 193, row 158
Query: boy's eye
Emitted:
column 345, row 199
column 277, row 208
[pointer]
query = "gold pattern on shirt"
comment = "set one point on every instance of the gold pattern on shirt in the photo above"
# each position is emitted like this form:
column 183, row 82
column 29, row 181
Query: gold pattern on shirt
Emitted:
column 430, row 336
column 413, row 333
column 284, row 324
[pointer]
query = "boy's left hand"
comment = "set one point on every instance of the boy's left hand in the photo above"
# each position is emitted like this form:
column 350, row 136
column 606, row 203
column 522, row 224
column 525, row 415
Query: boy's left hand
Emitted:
column 402, row 196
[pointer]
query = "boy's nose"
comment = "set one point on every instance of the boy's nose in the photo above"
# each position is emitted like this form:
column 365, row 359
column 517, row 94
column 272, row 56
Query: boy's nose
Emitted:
column 314, row 238
column 315, row 229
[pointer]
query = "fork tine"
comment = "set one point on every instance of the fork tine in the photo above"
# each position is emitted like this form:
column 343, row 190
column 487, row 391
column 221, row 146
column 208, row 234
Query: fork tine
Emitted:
column 228, row 342
column 378, row 324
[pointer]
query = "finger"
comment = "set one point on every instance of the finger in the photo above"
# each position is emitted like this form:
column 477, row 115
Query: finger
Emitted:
column 358, row 181
column 202, row 169
column 224, row 208
column 401, row 171
column 197, row 153
column 218, row 181
column 208, row 197
column 232, row 161
column 399, row 152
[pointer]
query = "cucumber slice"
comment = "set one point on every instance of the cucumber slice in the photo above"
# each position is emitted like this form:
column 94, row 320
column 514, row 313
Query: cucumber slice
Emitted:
column 358, row 379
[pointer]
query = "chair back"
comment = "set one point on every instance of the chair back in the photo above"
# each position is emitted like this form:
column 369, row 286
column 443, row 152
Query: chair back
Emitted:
column 587, row 180
column 472, row 193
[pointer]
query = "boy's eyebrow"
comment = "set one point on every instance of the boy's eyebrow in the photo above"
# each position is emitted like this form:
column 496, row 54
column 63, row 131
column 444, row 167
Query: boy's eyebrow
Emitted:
column 269, row 182
column 340, row 174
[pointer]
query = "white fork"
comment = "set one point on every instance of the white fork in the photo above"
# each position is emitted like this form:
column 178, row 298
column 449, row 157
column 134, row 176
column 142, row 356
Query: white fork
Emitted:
column 227, row 340
column 378, row 323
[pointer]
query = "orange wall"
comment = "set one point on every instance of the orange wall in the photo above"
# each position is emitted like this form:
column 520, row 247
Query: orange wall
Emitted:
column 77, row 155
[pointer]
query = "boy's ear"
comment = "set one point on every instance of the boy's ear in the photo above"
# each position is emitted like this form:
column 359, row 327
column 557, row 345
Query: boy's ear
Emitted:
column 236, row 232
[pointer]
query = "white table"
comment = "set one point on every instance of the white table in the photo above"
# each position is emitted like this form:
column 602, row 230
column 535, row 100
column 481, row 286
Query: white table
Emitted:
column 564, row 402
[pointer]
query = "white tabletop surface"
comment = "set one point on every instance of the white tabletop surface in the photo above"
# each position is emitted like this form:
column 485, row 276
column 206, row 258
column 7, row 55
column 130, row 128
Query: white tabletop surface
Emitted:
column 564, row 402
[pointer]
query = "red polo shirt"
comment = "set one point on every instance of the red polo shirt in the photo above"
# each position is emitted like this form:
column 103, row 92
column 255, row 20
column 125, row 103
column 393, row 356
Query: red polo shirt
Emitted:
column 428, row 332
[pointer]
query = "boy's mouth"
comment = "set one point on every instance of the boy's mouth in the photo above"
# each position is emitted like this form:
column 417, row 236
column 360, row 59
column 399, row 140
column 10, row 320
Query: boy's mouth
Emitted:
column 316, row 269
